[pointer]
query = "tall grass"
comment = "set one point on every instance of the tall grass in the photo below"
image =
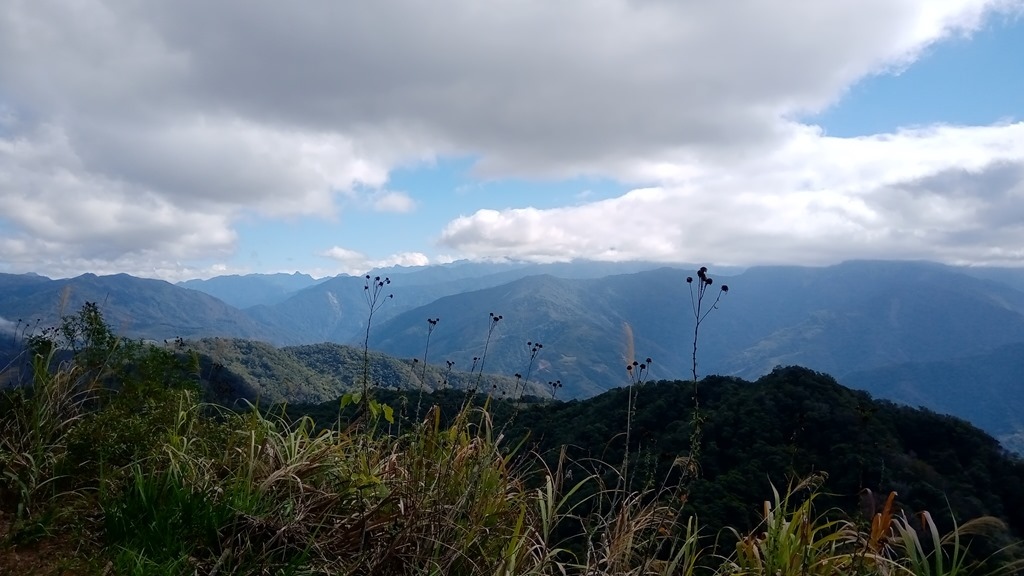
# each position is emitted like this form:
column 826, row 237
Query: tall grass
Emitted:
column 255, row 493
column 34, row 430
column 196, row 489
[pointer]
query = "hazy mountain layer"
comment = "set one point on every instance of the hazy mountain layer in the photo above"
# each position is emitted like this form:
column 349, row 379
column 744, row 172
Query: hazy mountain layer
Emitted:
column 135, row 307
column 252, row 289
column 917, row 332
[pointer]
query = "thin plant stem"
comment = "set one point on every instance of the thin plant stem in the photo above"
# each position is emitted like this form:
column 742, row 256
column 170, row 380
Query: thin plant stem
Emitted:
column 492, row 323
column 520, row 391
column 431, row 324
column 637, row 374
column 704, row 282
column 373, row 289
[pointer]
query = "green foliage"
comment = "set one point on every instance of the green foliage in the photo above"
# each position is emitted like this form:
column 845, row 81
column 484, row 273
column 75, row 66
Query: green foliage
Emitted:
column 233, row 369
column 35, row 423
column 161, row 483
column 375, row 407
column 789, row 424
column 159, row 517
column 107, row 403
column 791, row 541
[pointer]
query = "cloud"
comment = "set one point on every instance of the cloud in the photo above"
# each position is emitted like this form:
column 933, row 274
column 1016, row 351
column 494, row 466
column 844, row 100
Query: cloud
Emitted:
column 138, row 134
column 354, row 262
column 394, row 202
column 6, row 326
column 948, row 193
column 345, row 256
column 172, row 194
column 63, row 210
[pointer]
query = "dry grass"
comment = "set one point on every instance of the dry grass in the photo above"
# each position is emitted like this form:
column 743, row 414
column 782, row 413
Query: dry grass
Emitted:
column 255, row 494
column 193, row 489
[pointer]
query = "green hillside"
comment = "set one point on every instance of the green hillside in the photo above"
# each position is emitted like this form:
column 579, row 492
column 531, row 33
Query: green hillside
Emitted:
column 111, row 464
column 234, row 369
column 789, row 424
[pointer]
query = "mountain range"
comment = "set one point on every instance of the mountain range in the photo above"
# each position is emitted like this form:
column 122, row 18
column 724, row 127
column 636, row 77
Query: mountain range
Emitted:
column 947, row 338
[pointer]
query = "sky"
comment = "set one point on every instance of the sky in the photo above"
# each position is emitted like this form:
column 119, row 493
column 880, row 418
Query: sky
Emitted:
column 182, row 138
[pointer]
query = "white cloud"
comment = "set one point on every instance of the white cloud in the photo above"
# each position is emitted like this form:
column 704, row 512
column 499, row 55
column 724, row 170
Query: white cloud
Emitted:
column 171, row 194
column 345, row 256
column 146, row 264
column 7, row 327
column 355, row 262
column 137, row 134
column 954, row 194
column 409, row 259
column 394, row 202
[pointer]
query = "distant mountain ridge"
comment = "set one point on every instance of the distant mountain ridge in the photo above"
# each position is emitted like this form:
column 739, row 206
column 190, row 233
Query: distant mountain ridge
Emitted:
column 136, row 307
column 895, row 328
column 837, row 319
column 986, row 388
column 252, row 289
column 333, row 309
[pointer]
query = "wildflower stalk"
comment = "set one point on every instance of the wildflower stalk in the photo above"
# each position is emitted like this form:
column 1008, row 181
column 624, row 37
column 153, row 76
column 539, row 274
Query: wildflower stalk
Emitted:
column 637, row 375
column 535, row 348
column 447, row 375
column 554, row 385
column 491, row 325
column 373, row 293
column 520, row 391
column 704, row 283
column 431, row 324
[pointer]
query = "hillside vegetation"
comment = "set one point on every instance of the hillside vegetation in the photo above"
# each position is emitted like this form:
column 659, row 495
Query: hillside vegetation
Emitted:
column 236, row 369
column 947, row 338
column 110, row 464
